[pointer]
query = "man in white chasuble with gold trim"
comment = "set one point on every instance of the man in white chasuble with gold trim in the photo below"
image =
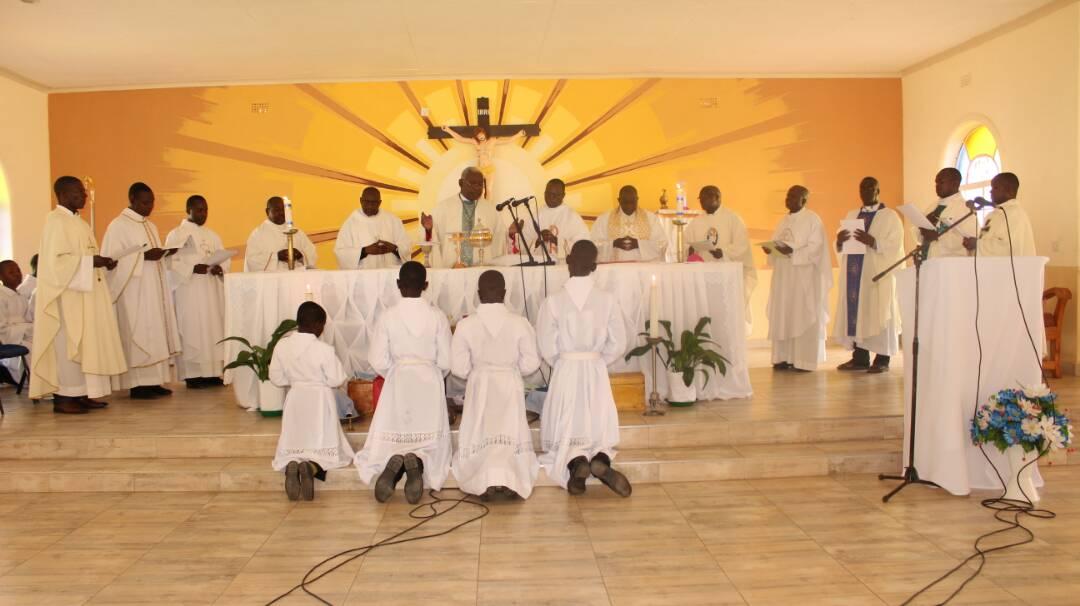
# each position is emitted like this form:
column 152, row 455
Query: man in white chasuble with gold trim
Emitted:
column 629, row 233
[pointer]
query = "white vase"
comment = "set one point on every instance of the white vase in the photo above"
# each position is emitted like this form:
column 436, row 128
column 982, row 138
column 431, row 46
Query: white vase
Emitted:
column 1018, row 479
column 678, row 393
column 271, row 398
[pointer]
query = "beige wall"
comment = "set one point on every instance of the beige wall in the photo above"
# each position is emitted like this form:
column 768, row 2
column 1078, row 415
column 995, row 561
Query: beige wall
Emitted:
column 24, row 159
column 1023, row 83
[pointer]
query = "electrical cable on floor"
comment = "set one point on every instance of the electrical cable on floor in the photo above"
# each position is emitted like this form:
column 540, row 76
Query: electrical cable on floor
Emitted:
column 349, row 555
column 999, row 504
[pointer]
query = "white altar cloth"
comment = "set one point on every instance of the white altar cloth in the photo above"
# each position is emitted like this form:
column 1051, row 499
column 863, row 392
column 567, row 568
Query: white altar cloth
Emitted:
column 949, row 359
column 257, row 302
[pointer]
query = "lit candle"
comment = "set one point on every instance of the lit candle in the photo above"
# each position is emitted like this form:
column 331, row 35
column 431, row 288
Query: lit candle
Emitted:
column 654, row 310
column 288, row 213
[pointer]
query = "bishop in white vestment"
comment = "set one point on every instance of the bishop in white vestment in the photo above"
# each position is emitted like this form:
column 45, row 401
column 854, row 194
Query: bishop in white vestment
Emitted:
column 372, row 238
column 199, row 296
column 463, row 213
column 560, row 225
column 950, row 209
column 629, row 233
column 726, row 236
column 802, row 276
column 493, row 349
column 1007, row 231
column 867, row 313
column 15, row 325
column 267, row 246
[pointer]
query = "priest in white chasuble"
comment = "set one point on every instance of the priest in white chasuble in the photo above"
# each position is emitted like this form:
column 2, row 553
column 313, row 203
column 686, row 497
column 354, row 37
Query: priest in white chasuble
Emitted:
column 802, row 276
column 629, row 232
column 371, row 238
column 76, row 348
column 725, row 235
column 560, row 225
column 464, row 212
column 268, row 244
column 15, row 325
column 1007, row 231
column 141, row 287
column 867, row 313
column 200, row 297
column 950, row 208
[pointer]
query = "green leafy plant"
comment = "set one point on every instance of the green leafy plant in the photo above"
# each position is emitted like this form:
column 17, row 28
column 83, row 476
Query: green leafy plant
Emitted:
column 690, row 356
column 258, row 358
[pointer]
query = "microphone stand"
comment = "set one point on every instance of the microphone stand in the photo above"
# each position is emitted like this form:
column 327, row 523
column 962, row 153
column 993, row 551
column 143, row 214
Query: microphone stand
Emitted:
column 543, row 247
column 910, row 474
column 531, row 262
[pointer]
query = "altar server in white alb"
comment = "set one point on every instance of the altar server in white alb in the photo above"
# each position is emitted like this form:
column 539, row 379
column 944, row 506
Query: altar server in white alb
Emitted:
column 311, row 440
column 580, row 332
column 867, row 314
column 410, row 432
column 372, row 238
column 200, row 297
column 15, row 325
column 1007, row 231
column 493, row 349
column 144, row 303
column 802, row 276
column 725, row 236
column 560, row 225
column 629, row 232
column 29, row 285
column 268, row 248
column 950, row 209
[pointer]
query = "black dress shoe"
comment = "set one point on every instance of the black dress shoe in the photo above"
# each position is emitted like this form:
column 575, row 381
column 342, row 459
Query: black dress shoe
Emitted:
column 292, row 481
column 143, row 393
column 87, row 402
column 195, row 383
column 159, row 390
column 878, row 369
column 213, row 381
column 414, row 478
column 853, row 366
column 66, row 405
column 600, row 466
column 782, row 366
column 579, row 472
column 388, row 479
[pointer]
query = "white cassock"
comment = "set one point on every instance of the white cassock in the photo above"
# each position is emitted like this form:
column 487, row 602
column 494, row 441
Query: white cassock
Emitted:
column 798, row 299
column 493, row 349
column 410, row 347
column 580, row 332
column 144, row 303
column 563, row 222
column 310, row 427
column 200, row 302
column 450, row 216
column 26, row 289
column 1007, row 222
column 15, row 327
column 875, row 325
column 950, row 244
column 643, row 225
column 267, row 239
column 726, row 232
column 360, row 230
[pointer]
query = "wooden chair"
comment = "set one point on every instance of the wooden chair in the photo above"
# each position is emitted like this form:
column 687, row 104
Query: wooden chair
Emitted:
column 1053, row 321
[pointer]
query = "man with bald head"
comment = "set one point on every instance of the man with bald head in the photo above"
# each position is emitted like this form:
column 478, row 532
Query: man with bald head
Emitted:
column 629, row 232
column 16, row 327
column 1007, row 232
column 268, row 248
column 463, row 212
column 950, row 208
column 372, row 238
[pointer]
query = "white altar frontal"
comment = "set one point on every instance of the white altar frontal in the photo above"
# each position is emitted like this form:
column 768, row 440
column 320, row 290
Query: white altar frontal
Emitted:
column 257, row 302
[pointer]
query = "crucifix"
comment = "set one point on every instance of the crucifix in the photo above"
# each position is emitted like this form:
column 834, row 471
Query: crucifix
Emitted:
column 483, row 119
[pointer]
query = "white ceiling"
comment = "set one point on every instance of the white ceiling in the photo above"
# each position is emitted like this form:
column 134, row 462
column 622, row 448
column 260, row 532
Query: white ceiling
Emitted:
column 81, row 44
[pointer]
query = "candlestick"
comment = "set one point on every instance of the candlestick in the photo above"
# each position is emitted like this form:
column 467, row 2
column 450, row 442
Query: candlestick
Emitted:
column 654, row 310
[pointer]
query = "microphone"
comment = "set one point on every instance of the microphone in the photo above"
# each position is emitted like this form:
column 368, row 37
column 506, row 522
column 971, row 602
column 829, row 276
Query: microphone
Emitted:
column 979, row 203
column 502, row 205
column 524, row 200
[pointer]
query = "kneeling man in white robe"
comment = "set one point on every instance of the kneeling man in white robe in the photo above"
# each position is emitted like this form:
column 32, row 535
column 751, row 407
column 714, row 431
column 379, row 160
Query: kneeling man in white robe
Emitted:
column 268, row 244
column 371, row 238
column 493, row 349
column 867, row 314
column 311, row 439
column 410, row 432
column 802, row 276
column 581, row 332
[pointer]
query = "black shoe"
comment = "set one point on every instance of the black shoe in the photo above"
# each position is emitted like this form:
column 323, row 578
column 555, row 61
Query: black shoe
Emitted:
column 782, row 366
column 602, row 469
column 292, row 481
column 91, row 404
column 143, row 393
column 195, row 384
column 414, row 478
column 531, row 417
column 307, row 481
column 579, row 472
column 66, row 405
column 853, row 365
column 490, row 494
column 212, row 381
column 159, row 390
column 388, row 479
column 878, row 369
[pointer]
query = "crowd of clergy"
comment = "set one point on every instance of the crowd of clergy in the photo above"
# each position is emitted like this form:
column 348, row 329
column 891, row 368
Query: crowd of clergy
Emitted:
column 138, row 312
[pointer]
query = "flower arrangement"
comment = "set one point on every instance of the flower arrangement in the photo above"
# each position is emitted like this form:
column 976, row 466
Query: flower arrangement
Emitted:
column 1026, row 417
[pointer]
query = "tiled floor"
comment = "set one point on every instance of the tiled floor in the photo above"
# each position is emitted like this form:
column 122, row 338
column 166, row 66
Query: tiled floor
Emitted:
column 784, row 542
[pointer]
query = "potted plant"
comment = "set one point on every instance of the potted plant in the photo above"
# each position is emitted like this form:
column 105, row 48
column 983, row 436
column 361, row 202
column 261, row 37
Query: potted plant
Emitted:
column 684, row 360
column 271, row 397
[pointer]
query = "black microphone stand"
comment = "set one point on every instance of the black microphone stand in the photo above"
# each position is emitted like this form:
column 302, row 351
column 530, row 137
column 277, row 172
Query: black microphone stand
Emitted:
column 911, row 475
column 531, row 262
column 543, row 246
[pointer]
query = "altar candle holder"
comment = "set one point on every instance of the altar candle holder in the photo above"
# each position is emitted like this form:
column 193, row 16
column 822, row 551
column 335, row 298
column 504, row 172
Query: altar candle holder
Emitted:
column 655, row 406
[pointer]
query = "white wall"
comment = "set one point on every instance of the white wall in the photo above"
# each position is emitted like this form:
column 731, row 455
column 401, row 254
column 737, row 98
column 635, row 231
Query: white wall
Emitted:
column 24, row 158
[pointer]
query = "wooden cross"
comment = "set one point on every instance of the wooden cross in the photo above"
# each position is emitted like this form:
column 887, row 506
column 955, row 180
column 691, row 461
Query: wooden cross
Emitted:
column 483, row 118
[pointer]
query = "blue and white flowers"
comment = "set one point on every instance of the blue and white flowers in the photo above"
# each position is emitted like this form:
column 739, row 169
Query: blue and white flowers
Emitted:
column 1028, row 417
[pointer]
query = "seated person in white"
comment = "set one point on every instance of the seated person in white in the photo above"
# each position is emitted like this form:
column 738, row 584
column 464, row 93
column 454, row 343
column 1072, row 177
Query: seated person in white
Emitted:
column 581, row 332
column 372, row 238
column 15, row 325
column 410, row 433
column 311, row 440
column 268, row 248
column 493, row 349
column 629, row 233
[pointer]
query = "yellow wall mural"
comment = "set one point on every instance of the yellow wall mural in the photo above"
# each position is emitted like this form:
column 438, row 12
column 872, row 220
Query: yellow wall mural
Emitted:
column 321, row 144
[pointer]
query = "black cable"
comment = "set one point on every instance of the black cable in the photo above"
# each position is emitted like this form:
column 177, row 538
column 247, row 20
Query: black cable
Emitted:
column 357, row 552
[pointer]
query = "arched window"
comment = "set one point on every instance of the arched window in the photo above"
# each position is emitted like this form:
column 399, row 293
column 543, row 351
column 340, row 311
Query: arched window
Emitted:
column 978, row 161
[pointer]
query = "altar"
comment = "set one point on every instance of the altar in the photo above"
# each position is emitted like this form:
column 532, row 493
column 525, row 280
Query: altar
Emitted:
column 257, row 302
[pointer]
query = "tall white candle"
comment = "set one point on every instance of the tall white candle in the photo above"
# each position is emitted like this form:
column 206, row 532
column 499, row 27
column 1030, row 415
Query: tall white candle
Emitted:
column 654, row 310
column 288, row 212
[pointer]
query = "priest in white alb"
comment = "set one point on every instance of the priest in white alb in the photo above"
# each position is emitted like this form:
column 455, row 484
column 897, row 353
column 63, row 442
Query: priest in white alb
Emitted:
column 15, row 325
column 141, row 287
column 629, row 232
column 464, row 212
column 950, row 209
column 1007, row 231
column 267, row 246
column 200, row 297
column 802, row 276
column 560, row 225
column 76, row 349
column 722, row 236
column 867, row 313
column 372, row 238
